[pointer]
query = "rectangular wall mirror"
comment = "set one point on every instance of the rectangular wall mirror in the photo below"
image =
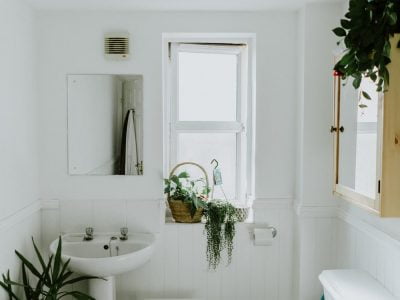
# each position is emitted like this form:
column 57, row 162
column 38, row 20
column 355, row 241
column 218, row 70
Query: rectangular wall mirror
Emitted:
column 105, row 124
column 358, row 146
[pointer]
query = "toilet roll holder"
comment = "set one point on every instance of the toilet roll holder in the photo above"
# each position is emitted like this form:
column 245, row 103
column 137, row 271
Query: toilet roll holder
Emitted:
column 272, row 228
column 274, row 231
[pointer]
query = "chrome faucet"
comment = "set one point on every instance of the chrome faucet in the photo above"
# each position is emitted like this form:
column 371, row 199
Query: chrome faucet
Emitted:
column 113, row 238
column 88, row 234
column 124, row 234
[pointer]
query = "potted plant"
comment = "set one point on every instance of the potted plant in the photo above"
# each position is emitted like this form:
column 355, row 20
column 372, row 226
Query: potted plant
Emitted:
column 220, row 229
column 366, row 31
column 49, row 282
column 186, row 197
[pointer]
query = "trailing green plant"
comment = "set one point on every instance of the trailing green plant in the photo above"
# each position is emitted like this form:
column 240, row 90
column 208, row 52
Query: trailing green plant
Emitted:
column 48, row 283
column 181, row 187
column 365, row 31
column 220, row 229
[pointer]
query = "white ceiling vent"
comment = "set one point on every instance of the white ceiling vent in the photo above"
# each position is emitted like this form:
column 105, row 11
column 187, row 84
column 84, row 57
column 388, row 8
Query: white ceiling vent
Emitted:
column 116, row 45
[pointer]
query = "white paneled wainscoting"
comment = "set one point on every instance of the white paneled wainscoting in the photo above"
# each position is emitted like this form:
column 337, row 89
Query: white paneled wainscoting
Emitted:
column 369, row 243
column 16, row 233
column 310, row 239
column 315, row 240
column 179, row 267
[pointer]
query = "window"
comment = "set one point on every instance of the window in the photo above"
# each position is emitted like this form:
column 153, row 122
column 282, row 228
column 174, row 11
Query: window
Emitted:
column 208, row 112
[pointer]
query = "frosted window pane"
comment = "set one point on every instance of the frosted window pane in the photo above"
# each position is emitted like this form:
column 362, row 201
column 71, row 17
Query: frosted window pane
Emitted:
column 202, row 148
column 207, row 87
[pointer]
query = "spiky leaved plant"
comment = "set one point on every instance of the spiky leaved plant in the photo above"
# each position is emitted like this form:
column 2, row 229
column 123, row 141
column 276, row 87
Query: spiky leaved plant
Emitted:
column 49, row 282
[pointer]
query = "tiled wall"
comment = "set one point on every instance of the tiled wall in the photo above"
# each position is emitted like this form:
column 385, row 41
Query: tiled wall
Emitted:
column 179, row 267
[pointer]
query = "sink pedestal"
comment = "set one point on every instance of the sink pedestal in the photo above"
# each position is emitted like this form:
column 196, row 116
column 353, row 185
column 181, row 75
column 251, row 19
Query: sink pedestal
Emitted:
column 102, row 289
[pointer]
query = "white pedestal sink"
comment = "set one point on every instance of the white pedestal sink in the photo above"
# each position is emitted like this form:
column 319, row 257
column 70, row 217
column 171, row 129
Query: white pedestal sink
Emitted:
column 105, row 257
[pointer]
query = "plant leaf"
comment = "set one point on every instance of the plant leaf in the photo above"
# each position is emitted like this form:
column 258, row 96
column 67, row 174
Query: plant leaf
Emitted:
column 339, row 31
column 57, row 260
column 25, row 280
column 9, row 291
column 7, row 286
column 392, row 18
column 64, row 268
column 357, row 82
column 28, row 264
column 42, row 263
column 78, row 295
column 345, row 23
column 366, row 95
column 82, row 278
column 183, row 174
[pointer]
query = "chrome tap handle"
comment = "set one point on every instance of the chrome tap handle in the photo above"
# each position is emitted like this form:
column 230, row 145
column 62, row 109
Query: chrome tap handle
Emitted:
column 88, row 234
column 124, row 234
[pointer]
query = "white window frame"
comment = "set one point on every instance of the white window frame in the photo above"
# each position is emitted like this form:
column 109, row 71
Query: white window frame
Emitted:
column 242, row 45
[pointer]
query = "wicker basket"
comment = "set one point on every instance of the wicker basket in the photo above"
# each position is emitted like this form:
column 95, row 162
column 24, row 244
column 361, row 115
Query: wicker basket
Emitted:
column 242, row 213
column 181, row 211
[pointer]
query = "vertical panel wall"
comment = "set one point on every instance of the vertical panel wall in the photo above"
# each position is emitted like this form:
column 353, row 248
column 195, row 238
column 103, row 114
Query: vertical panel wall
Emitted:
column 370, row 243
column 179, row 267
column 315, row 206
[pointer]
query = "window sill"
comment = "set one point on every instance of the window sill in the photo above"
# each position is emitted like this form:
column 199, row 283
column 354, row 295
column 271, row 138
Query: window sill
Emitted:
column 169, row 220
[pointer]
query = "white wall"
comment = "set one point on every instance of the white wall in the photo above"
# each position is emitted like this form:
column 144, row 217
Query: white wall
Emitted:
column 179, row 266
column 72, row 43
column 370, row 243
column 327, row 238
column 316, row 147
column 18, row 112
column 19, row 207
column 315, row 206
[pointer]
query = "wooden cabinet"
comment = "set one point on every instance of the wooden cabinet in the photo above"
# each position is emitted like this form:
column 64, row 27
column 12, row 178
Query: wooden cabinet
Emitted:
column 367, row 142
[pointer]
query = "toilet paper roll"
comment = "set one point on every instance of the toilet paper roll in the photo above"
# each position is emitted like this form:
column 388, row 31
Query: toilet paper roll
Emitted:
column 263, row 237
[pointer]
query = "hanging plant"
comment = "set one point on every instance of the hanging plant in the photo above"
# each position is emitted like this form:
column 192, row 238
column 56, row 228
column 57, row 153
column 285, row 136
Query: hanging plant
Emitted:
column 365, row 31
column 220, row 228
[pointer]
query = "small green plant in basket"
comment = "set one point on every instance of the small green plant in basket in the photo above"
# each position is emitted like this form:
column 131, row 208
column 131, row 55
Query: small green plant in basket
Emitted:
column 192, row 192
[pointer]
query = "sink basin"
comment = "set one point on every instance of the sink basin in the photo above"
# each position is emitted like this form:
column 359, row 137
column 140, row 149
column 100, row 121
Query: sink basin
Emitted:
column 100, row 257
column 105, row 256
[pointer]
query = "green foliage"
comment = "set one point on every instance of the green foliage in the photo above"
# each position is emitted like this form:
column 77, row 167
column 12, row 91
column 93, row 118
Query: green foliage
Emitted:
column 366, row 31
column 220, row 228
column 49, row 281
column 193, row 192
